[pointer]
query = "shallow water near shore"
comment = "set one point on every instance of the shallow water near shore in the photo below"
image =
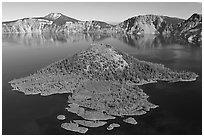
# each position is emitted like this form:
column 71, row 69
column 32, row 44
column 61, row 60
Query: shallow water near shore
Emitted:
column 180, row 103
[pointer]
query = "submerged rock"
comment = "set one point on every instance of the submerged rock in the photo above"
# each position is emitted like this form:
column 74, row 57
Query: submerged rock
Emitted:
column 74, row 127
column 112, row 126
column 130, row 120
column 90, row 123
column 61, row 117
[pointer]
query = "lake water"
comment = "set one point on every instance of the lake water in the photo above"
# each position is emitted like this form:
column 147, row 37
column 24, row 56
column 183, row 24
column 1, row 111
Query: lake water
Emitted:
column 180, row 104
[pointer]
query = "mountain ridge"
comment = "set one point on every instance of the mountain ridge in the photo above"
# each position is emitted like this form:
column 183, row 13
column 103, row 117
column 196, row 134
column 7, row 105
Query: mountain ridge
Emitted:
column 189, row 30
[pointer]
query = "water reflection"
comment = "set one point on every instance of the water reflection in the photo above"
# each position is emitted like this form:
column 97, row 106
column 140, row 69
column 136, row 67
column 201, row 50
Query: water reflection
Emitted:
column 147, row 41
column 58, row 39
column 139, row 41
column 50, row 39
column 19, row 59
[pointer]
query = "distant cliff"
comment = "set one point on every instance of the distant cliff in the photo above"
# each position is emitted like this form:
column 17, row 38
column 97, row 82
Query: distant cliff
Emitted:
column 187, row 31
column 146, row 24
column 54, row 22
column 190, row 30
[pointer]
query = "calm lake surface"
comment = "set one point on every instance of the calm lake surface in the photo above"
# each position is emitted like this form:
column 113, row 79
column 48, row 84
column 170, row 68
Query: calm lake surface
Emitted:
column 180, row 104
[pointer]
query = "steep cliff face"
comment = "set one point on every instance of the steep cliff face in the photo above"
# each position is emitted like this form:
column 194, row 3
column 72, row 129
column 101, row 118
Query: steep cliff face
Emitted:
column 146, row 24
column 190, row 30
column 27, row 25
column 187, row 31
column 54, row 22
column 97, row 26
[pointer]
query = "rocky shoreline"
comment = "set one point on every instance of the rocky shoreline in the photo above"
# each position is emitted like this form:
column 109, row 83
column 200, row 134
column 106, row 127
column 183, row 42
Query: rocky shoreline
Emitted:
column 103, row 85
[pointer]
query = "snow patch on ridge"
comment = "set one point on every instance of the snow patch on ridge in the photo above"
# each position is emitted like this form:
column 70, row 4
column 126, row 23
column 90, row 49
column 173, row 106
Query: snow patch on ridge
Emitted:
column 54, row 16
